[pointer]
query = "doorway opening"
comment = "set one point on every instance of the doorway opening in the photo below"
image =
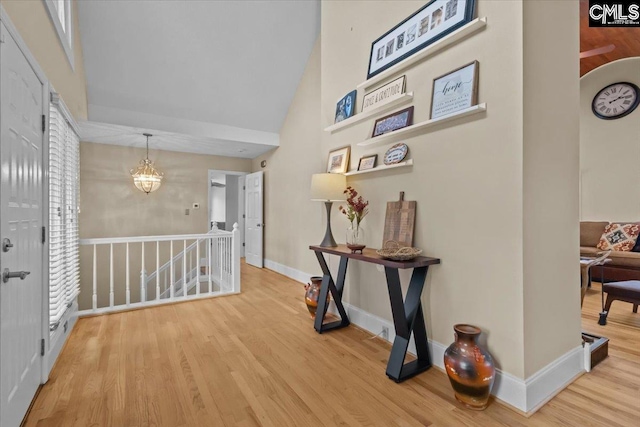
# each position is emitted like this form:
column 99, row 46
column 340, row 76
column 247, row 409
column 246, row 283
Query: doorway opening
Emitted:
column 226, row 204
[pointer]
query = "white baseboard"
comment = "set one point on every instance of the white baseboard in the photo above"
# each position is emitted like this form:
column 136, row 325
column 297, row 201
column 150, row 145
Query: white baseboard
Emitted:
column 526, row 396
column 292, row 273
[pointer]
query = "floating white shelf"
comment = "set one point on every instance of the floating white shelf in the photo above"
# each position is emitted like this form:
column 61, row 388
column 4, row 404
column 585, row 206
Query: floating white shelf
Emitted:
column 448, row 40
column 400, row 133
column 362, row 116
column 382, row 167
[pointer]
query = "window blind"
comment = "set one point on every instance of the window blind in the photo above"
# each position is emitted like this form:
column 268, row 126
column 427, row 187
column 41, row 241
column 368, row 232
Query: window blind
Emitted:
column 64, row 265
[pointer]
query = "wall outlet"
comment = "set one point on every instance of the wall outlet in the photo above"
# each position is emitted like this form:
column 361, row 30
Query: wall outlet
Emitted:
column 196, row 206
column 385, row 333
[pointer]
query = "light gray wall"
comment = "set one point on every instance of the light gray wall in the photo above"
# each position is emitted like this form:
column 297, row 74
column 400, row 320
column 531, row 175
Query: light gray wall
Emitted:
column 231, row 199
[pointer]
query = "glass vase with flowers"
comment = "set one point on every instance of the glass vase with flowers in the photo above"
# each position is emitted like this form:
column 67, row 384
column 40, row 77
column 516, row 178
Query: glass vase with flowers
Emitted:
column 355, row 211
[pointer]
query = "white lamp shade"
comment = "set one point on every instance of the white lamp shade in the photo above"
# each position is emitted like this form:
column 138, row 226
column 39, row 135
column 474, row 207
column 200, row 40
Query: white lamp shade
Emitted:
column 328, row 186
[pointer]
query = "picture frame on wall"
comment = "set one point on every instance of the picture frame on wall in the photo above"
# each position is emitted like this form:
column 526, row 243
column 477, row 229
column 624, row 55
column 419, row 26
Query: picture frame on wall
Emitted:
column 455, row 91
column 367, row 162
column 429, row 24
column 339, row 160
column 394, row 121
column 346, row 106
column 384, row 94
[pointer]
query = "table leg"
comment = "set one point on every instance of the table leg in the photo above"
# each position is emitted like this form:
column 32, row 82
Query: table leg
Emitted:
column 336, row 289
column 407, row 318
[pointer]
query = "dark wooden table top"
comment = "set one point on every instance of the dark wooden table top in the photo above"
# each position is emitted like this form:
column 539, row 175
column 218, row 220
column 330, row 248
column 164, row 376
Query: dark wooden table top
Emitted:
column 370, row 255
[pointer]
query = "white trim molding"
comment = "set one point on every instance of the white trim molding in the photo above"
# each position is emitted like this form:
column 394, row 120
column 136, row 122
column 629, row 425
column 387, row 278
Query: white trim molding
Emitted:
column 526, row 396
column 65, row 35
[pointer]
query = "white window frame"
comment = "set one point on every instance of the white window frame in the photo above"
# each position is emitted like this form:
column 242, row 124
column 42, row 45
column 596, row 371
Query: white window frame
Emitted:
column 64, row 34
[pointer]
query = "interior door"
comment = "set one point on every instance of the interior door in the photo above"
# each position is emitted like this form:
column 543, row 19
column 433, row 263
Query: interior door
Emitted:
column 21, row 216
column 254, row 222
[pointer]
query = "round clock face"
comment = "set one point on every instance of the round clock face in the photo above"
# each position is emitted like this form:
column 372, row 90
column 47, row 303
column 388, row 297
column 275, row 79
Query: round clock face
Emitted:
column 616, row 100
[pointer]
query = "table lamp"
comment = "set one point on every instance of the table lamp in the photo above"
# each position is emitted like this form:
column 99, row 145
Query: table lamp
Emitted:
column 328, row 188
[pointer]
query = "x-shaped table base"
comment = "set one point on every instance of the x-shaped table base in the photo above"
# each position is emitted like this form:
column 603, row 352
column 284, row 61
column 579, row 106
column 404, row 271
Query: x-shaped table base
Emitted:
column 407, row 312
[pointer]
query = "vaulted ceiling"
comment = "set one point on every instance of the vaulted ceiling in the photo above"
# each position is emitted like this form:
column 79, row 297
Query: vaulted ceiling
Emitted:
column 625, row 39
column 223, row 70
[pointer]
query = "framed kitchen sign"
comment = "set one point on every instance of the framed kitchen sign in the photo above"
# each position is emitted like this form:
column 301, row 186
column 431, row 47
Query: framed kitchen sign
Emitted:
column 430, row 23
column 455, row 91
column 384, row 94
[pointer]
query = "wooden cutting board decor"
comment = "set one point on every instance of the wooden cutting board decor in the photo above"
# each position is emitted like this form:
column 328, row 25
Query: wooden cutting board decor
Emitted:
column 399, row 222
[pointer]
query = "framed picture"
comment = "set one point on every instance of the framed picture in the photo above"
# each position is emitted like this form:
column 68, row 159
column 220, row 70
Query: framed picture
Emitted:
column 339, row 160
column 346, row 106
column 430, row 23
column 367, row 162
column 455, row 91
column 394, row 121
column 384, row 94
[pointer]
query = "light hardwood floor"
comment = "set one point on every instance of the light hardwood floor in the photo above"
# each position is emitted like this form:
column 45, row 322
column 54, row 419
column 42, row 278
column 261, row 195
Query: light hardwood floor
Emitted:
column 255, row 360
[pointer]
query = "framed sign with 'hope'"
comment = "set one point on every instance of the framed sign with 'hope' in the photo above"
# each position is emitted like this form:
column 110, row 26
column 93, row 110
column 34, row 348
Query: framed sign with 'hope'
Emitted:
column 455, row 91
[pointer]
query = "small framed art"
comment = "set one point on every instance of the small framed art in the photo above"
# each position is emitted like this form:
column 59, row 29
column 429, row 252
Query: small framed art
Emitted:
column 339, row 160
column 346, row 106
column 455, row 91
column 367, row 162
column 394, row 121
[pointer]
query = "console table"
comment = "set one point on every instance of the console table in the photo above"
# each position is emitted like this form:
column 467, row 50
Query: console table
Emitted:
column 407, row 313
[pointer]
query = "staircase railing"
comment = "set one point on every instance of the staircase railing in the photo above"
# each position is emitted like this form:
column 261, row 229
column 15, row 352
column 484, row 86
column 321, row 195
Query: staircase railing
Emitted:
column 184, row 267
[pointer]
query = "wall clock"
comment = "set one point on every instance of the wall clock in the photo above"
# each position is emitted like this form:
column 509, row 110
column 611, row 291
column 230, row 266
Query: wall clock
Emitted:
column 616, row 101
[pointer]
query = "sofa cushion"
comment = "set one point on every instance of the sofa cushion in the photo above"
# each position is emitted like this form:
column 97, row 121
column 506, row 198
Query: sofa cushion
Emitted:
column 619, row 237
column 591, row 231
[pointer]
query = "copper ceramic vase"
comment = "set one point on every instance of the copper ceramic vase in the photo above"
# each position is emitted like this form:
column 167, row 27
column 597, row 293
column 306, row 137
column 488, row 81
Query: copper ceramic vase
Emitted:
column 470, row 368
column 312, row 291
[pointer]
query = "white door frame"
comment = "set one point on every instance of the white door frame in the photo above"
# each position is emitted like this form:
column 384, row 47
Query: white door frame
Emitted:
column 4, row 17
column 241, row 206
column 254, row 258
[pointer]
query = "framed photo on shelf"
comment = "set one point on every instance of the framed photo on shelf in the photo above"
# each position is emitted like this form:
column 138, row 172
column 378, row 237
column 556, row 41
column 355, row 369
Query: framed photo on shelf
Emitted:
column 430, row 23
column 455, row 91
column 394, row 121
column 384, row 94
column 339, row 160
column 367, row 162
column 346, row 106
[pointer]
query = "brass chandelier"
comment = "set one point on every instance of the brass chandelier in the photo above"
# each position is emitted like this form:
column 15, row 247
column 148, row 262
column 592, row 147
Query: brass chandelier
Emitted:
column 145, row 177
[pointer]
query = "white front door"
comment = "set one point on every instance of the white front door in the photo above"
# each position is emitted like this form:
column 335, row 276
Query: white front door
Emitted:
column 21, row 216
column 253, row 224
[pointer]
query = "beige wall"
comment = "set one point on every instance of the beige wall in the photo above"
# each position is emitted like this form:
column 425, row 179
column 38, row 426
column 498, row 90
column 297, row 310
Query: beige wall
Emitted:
column 292, row 220
column 111, row 206
column 609, row 150
column 484, row 185
column 550, row 191
column 32, row 20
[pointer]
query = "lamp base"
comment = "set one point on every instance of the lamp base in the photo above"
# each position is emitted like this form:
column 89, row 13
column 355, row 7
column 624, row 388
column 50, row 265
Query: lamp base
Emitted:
column 328, row 241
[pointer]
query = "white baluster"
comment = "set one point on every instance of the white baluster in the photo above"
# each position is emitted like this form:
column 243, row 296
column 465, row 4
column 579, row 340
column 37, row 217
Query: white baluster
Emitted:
column 143, row 280
column 197, row 267
column 128, row 290
column 184, row 268
column 111, row 295
column 171, row 275
column 95, row 279
column 209, row 268
column 157, row 270
column 235, row 257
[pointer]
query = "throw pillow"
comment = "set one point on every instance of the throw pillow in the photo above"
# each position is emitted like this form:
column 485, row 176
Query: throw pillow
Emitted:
column 619, row 237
